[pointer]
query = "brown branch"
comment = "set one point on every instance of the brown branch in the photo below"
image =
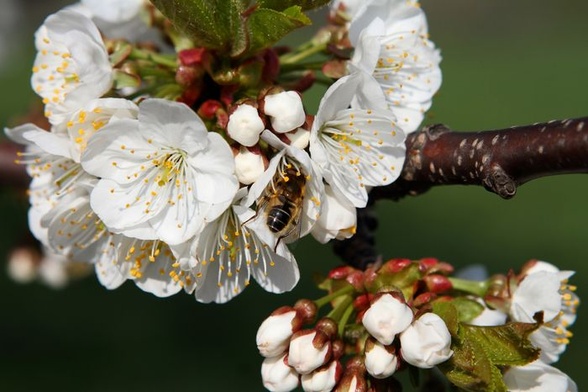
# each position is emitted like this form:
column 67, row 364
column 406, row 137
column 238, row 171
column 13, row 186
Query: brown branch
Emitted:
column 499, row 160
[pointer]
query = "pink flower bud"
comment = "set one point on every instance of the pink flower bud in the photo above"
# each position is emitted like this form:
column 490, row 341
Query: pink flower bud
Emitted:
column 273, row 335
column 426, row 342
column 277, row 376
column 380, row 361
column 438, row 283
column 387, row 317
column 309, row 349
column 323, row 379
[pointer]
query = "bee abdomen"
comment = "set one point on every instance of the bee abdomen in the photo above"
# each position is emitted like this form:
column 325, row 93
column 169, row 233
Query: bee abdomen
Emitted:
column 278, row 218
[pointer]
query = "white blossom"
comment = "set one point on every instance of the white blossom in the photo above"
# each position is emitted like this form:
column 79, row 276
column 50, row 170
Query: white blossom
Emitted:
column 71, row 67
column 386, row 317
column 546, row 290
column 285, row 111
column 337, row 219
column 245, row 125
column 162, row 176
column 426, row 342
column 322, row 379
column 277, row 376
column 356, row 147
column 537, row 376
column 392, row 44
column 232, row 249
column 54, row 174
column 289, row 158
column 307, row 351
column 380, row 360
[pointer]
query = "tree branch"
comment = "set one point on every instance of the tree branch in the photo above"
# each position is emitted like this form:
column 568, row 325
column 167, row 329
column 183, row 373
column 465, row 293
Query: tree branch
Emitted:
column 12, row 174
column 499, row 160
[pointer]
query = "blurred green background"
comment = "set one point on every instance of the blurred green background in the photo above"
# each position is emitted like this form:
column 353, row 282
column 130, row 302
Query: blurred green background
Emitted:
column 504, row 63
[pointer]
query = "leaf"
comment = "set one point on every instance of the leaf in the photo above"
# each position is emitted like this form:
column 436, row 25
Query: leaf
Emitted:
column 506, row 344
column 280, row 5
column 213, row 24
column 236, row 27
column 480, row 352
column 265, row 26
column 467, row 309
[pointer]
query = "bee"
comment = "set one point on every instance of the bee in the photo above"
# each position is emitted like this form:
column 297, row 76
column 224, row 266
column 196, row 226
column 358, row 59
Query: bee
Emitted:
column 281, row 202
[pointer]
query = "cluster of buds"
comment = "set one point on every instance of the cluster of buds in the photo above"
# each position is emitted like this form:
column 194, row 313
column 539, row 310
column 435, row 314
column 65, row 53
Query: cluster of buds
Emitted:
column 405, row 314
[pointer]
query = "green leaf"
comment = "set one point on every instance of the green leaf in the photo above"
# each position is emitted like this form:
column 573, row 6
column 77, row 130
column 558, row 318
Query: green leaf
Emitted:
column 236, row 27
column 281, row 5
column 264, row 26
column 467, row 309
column 213, row 24
column 480, row 352
column 506, row 344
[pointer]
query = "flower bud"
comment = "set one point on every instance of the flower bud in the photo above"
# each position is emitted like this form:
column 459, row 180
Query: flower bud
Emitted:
column 248, row 166
column 380, row 361
column 299, row 138
column 309, row 349
column 23, row 264
column 353, row 379
column 426, row 342
column 245, row 125
column 273, row 335
column 277, row 376
column 285, row 110
column 323, row 379
column 386, row 317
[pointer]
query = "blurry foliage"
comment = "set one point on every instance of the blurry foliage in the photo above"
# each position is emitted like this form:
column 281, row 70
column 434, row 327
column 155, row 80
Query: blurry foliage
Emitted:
column 505, row 63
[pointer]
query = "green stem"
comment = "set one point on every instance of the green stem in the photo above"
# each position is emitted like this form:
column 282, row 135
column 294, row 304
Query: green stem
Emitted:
column 341, row 309
column 305, row 52
column 315, row 65
column 169, row 61
column 328, row 298
column 344, row 319
column 469, row 286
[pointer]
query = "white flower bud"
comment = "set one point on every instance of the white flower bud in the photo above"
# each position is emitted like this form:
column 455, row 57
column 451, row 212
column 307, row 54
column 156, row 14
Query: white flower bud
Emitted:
column 248, row 166
column 537, row 377
column 387, row 317
column 53, row 270
column 299, row 138
column 305, row 353
column 426, row 342
column 380, row 361
column 285, row 110
column 277, row 376
column 273, row 335
column 323, row 379
column 245, row 125
column 22, row 265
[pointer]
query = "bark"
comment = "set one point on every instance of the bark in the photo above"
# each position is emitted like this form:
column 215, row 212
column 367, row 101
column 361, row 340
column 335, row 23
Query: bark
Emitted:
column 499, row 160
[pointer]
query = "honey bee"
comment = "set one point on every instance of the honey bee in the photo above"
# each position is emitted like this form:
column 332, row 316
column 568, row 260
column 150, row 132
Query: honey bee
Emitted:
column 281, row 203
